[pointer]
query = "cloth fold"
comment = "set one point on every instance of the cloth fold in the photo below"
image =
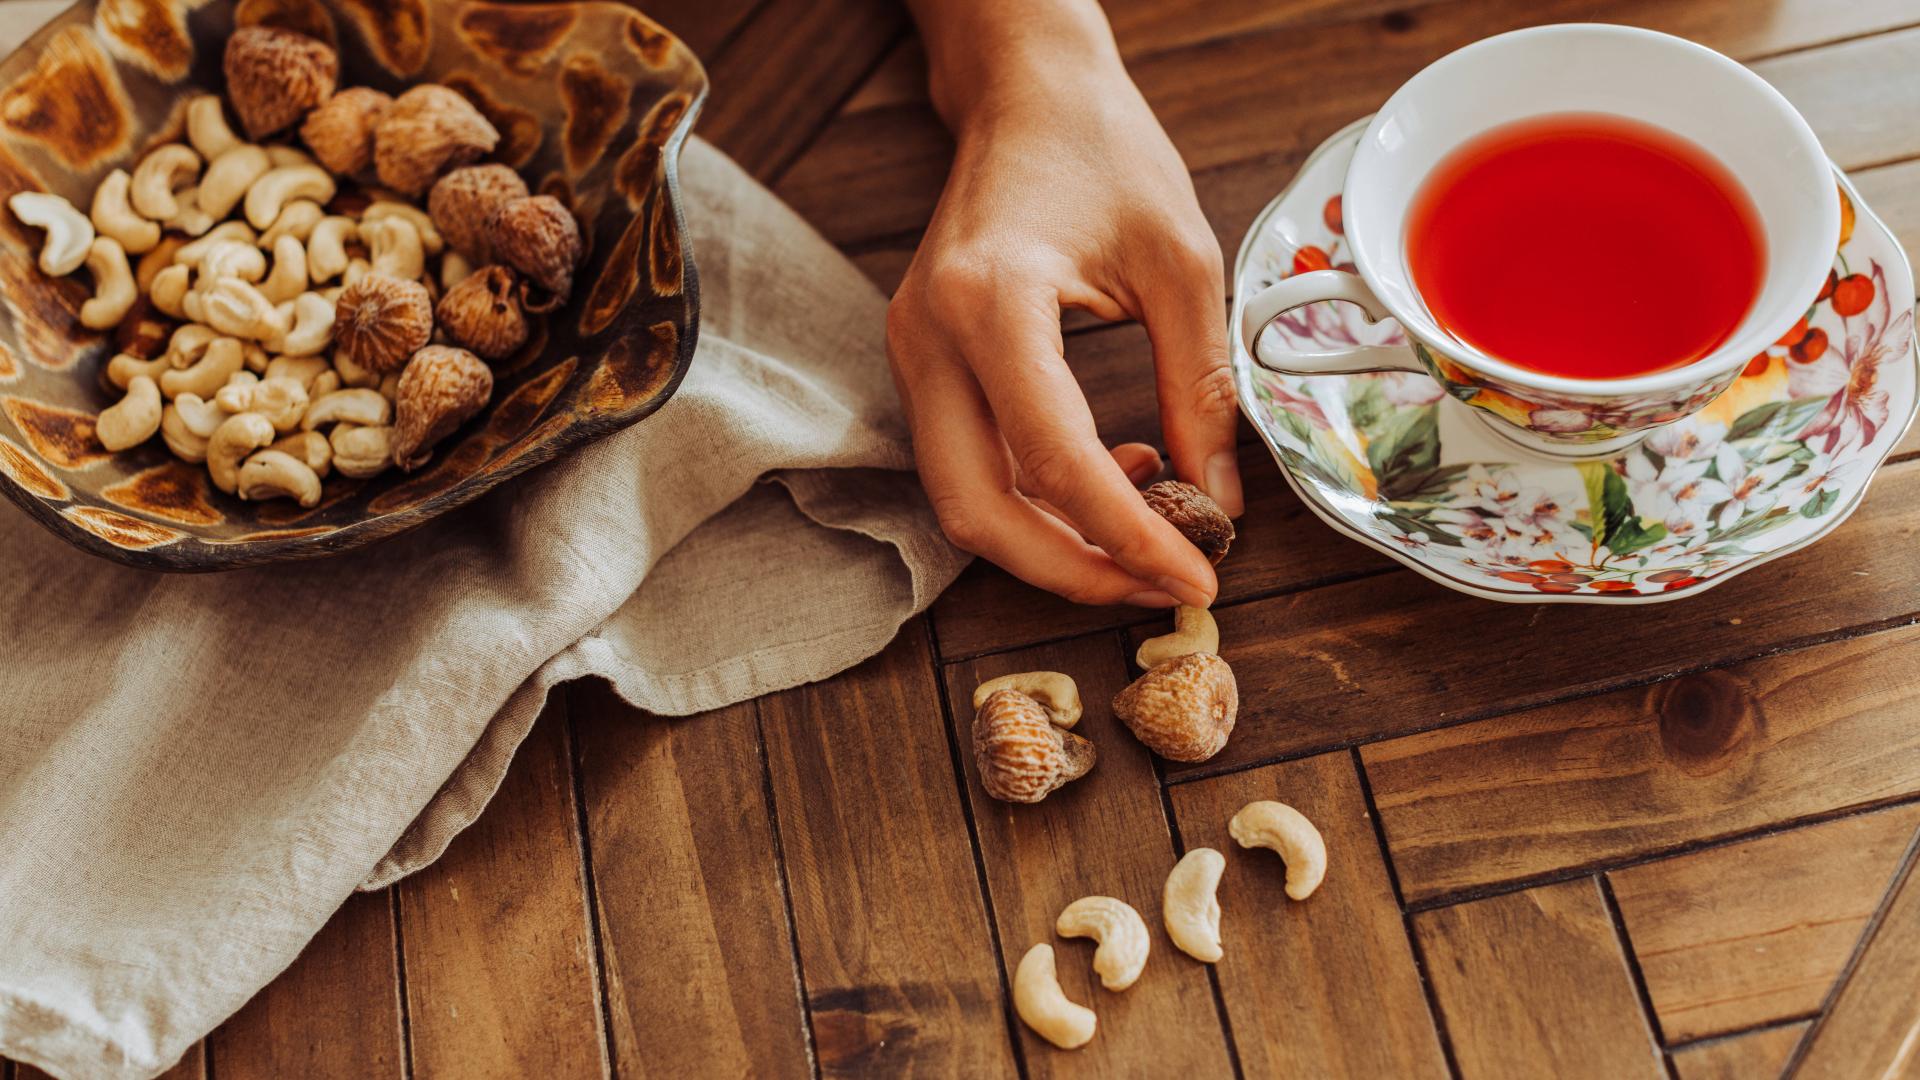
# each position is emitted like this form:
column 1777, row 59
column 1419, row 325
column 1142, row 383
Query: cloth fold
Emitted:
column 195, row 772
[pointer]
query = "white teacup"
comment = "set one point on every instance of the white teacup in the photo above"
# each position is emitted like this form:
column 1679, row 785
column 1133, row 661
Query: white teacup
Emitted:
column 1642, row 75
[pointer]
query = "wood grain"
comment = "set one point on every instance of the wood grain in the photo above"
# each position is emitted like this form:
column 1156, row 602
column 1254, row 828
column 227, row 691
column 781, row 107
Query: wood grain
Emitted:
column 1755, row 932
column 334, row 1012
column 699, row 960
column 1369, row 659
column 1754, row 1055
column 894, row 940
column 705, row 25
column 1872, row 1026
column 1105, row 834
column 786, row 72
column 1534, row 984
column 1326, row 986
column 1644, row 770
column 499, row 956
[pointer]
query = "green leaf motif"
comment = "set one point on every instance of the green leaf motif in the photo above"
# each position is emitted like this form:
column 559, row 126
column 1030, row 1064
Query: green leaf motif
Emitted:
column 1615, row 526
column 1403, row 448
column 1784, row 418
column 1820, row 503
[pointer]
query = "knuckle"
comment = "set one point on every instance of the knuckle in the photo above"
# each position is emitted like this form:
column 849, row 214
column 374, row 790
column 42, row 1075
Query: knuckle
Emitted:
column 1049, row 468
column 962, row 522
column 1198, row 254
column 1211, row 395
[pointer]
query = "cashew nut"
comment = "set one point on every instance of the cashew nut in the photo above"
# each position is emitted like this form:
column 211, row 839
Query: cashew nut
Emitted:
column 359, row 406
column 1044, row 1007
column 169, row 291
column 184, row 443
column 289, row 277
column 191, row 220
column 237, row 309
column 1119, row 929
column 207, row 127
column 282, row 401
column 200, row 417
column 1194, row 631
column 232, row 441
column 395, row 248
column 221, row 361
column 327, row 247
column 273, row 474
column 188, row 344
column 257, row 358
column 237, row 394
column 390, row 386
column 1191, row 906
column 1281, row 828
column 134, row 420
column 310, row 448
column 353, row 374
column 296, row 219
column 357, row 268
column 301, row 369
column 324, row 383
column 159, row 175
column 288, row 157
column 156, row 259
column 229, row 176
column 113, row 215
column 191, row 253
column 1055, row 692
column 360, row 452
column 281, row 186
column 430, row 239
column 69, row 233
column 232, row 259
column 113, row 291
column 125, row 367
column 311, row 329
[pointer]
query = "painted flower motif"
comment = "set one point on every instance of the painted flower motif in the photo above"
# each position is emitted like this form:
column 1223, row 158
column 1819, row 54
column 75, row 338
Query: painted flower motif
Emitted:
column 1490, row 489
column 1407, row 389
column 1413, row 541
column 1824, row 471
column 1687, row 441
column 1750, row 488
column 1681, row 496
column 1300, row 405
column 1849, row 376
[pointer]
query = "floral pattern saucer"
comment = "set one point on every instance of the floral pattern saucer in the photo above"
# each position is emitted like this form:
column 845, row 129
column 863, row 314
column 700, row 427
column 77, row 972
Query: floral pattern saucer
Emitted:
column 1779, row 460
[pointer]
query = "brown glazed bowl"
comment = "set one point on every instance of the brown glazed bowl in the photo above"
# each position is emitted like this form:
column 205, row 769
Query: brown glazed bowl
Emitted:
column 592, row 101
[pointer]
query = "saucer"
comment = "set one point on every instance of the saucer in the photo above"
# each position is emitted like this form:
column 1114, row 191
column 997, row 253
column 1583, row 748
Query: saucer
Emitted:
column 1390, row 459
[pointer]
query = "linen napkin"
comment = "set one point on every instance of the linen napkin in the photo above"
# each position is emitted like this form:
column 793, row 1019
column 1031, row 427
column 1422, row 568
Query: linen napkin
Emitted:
column 196, row 771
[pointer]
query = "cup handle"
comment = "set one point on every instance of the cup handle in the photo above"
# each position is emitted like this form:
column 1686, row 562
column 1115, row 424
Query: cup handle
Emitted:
column 1289, row 293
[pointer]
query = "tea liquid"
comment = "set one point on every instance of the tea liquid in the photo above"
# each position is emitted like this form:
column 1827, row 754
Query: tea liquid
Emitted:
column 1586, row 245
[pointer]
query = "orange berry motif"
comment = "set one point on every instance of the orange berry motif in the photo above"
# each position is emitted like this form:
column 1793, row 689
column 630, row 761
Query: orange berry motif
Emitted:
column 1757, row 365
column 1332, row 216
column 1846, row 218
column 1826, row 290
column 1614, row 586
column 1810, row 348
column 1309, row 259
column 1793, row 335
column 1852, row 295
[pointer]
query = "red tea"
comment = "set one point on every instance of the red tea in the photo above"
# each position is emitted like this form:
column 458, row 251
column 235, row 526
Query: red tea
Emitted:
column 1588, row 246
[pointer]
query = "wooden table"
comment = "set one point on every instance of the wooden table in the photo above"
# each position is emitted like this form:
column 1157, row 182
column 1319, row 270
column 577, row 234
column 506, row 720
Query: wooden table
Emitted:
column 1565, row 841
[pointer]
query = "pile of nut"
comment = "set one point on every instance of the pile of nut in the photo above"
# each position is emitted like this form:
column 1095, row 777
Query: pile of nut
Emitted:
column 1190, row 906
column 1182, row 708
column 314, row 317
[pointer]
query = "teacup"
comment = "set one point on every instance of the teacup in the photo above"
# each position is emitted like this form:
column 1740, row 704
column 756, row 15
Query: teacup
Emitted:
column 1641, row 75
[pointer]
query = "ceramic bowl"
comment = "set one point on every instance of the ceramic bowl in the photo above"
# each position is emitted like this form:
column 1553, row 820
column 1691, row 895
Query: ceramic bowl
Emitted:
column 592, row 101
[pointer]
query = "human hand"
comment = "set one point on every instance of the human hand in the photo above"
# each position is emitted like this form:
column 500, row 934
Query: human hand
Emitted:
column 1064, row 193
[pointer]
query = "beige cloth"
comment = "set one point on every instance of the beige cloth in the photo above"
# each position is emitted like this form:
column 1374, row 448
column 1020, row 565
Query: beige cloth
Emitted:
column 195, row 771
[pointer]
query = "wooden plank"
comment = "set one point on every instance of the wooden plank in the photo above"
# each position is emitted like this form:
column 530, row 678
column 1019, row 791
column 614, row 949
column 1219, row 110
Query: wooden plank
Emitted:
column 1105, row 834
column 1645, row 770
column 334, row 1012
column 1750, row 1056
column 698, row 957
column 501, row 976
column 1281, row 546
column 1339, row 665
column 1534, row 984
column 1893, row 191
column 1872, row 1026
column 787, row 71
column 899, row 960
column 1326, row 986
column 1738, row 936
column 705, row 25
column 191, row 1066
column 1263, row 100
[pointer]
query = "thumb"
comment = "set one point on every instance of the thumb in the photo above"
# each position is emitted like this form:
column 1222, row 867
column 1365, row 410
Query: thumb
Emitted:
column 1185, row 313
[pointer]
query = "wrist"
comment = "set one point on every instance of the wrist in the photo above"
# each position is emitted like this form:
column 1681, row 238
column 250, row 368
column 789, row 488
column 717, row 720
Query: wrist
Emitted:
column 986, row 59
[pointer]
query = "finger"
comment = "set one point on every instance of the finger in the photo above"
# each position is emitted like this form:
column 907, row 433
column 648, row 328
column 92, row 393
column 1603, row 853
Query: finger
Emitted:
column 1184, row 309
column 1047, row 425
column 1139, row 461
column 968, row 475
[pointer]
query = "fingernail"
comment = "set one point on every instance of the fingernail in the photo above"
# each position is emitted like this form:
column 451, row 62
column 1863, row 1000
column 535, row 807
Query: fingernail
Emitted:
column 1223, row 482
column 1185, row 592
column 1152, row 598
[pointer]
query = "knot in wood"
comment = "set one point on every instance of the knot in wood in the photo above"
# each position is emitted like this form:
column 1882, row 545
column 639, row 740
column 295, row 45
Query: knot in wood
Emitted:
column 1705, row 719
